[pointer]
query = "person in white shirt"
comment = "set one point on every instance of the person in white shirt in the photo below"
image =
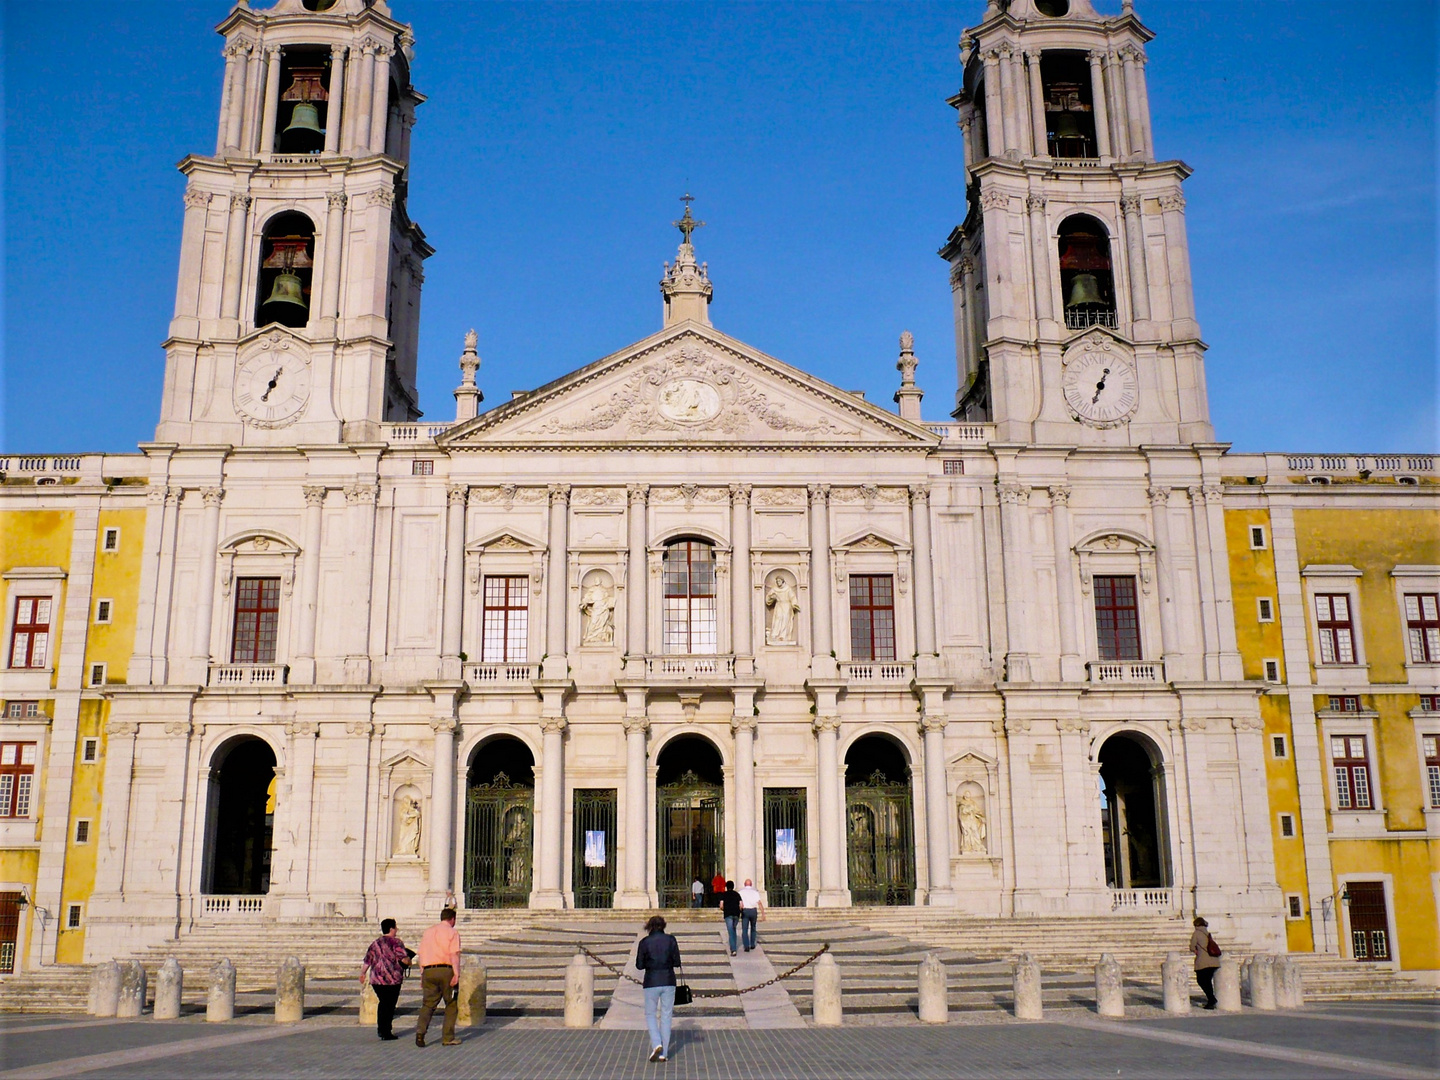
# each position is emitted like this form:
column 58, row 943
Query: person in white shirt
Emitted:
column 751, row 905
column 697, row 893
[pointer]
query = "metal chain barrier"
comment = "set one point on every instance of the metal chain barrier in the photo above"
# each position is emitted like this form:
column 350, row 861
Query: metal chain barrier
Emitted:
column 713, row 993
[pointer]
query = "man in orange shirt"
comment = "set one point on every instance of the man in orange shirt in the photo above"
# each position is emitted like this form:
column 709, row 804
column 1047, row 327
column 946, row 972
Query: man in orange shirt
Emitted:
column 439, row 960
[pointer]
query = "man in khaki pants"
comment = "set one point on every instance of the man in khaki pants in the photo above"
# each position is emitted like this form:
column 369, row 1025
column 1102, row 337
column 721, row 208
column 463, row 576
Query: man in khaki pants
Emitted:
column 439, row 961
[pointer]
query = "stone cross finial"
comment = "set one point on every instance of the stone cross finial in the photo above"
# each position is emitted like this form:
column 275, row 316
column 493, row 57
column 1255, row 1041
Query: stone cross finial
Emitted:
column 687, row 224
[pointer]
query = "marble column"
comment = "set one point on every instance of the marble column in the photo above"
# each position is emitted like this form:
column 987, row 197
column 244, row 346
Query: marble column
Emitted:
column 1205, row 567
column 1015, row 534
column 740, row 599
column 205, row 586
column 299, row 784
column 822, row 630
column 228, row 110
column 192, row 252
column 442, row 807
column 633, row 893
column 1097, row 97
column 251, row 100
column 1142, row 93
column 271, row 105
column 336, row 99
column 380, row 99
column 330, row 271
column 1009, row 102
column 1165, row 572
column 1135, row 247
column 552, row 816
column 994, row 113
column 635, row 580
column 967, row 136
column 832, row 813
column 234, row 256
column 361, row 498
column 1039, row 132
column 937, row 811
column 974, row 320
column 557, row 585
column 1135, row 124
column 1040, row 258
column 304, row 671
column 1231, row 667
column 453, row 620
column 924, row 574
column 359, row 118
column 744, row 730
column 165, row 588
column 1177, row 255
column 1072, row 668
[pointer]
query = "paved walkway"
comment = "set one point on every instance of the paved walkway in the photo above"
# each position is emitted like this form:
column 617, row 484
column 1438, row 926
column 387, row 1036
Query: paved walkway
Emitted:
column 1396, row 1041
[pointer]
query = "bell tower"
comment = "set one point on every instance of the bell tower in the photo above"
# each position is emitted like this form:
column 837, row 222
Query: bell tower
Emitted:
column 297, row 313
column 1074, row 314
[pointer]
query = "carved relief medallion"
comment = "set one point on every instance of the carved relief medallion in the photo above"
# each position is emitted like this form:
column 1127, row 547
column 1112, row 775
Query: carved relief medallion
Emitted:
column 688, row 401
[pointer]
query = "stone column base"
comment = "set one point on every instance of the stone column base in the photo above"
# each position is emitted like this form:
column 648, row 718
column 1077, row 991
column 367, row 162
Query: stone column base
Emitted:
column 941, row 898
column 547, row 901
column 633, row 900
column 833, row 898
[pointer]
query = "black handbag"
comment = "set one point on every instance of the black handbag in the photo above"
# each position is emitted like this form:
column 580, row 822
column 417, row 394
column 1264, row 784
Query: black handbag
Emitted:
column 683, row 994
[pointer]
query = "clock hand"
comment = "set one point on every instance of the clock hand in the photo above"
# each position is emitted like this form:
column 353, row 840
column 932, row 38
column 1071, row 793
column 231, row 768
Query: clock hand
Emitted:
column 273, row 380
column 1099, row 386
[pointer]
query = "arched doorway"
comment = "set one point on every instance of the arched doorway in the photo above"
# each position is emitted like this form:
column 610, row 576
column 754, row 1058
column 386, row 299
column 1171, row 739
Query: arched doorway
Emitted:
column 1132, row 813
column 690, row 818
column 879, row 822
column 241, row 818
column 499, row 824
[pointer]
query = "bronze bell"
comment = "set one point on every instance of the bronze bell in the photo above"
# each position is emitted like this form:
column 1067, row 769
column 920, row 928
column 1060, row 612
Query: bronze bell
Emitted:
column 287, row 290
column 1066, row 126
column 1084, row 289
column 304, row 131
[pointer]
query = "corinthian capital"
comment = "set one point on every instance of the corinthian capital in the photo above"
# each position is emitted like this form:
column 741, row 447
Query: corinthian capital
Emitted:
column 559, row 494
column 314, row 494
column 826, row 723
column 1159, row 496
column 213, row 496
column 1130, row 204
column 239, row 202
column 196, row 199
column 1035, row 203
column 457, row 493
column 1060, row 495
column 1013, row 493
column 1172, row 200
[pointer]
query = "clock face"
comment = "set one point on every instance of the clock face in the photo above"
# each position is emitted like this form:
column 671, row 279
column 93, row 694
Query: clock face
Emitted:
column 272, row 387
column 1101, row 389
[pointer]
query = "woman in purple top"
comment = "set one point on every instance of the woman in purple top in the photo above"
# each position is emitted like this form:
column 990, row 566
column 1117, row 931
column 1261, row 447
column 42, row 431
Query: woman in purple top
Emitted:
column 384, row 969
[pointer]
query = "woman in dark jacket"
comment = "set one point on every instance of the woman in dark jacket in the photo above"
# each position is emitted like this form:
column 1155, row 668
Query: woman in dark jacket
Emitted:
column 658, row 956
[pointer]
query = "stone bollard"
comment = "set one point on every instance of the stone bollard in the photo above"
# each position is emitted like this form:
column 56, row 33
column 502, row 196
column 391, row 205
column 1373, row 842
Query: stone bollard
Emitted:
column 1175, row 976
column 827, row 1006
column 104, row 988
column 132, row 989
column 1028, row 1005
column 474, row 982
column 1261, row 982
column 934, row 991
column 169, row 984
column 1289, row 983
column 1227, row 985
column 220, row 999
column 1109, row 987
column 369, row 1006
column 290, row 992
column 579, row 993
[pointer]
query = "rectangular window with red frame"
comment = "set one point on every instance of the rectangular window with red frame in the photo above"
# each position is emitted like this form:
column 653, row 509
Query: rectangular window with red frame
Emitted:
column 1117, row 618
column 1422, row 626
column 506, row 620
column 1352, row 772
column 1337, row 628
column 872, row 617
column 30, row 632
column 257, row 620
column 17, row 779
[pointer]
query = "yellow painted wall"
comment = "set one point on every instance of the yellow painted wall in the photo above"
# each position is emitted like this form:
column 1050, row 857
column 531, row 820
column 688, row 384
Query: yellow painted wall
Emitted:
column 21, row 867
column 117, row 578
column 85, row 801
column 36, row 538
column 1409, row 864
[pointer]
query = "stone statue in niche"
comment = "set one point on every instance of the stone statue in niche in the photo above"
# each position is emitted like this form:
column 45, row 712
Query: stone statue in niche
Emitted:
column 597, row 604
column 783, row 605
column 407, row 826
column 972, row 822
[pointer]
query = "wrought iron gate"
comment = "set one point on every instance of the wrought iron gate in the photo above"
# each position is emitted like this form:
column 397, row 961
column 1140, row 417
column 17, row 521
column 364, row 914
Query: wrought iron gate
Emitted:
column 690, row 837
column 786, row 862
column 882, row 851
column 499, row 831
column 593, row 871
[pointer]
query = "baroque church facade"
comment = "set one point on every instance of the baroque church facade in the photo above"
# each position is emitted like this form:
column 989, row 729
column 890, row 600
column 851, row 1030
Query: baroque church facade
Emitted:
column 687, row 609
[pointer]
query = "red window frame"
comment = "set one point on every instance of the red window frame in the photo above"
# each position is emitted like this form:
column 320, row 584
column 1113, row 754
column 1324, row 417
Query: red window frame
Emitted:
column 1336, row 625
column 1431, row 745
column 17, row 779
column 1117, row 616
column 30, row 632
column 1422, row 627
column 257, row 620
column 688, row 587
column 505, row 620
column 1351, row 759
column 872, row 617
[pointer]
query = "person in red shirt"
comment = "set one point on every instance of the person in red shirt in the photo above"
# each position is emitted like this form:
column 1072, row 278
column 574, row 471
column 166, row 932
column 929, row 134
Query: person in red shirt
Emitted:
column 439, row 960
column 717, row 886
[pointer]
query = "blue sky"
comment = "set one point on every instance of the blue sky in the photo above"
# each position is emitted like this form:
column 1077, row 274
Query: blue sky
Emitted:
column 557, row 138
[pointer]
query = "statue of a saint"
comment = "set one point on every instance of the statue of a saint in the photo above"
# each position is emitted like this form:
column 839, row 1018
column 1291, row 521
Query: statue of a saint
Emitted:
column 972, row 826
column 783, row 605
column 598, row 607
column 407, row 832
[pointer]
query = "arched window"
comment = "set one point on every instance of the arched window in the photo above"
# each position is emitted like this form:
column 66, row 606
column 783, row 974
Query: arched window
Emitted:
column 689, row 598
column 287, row 261
column 1069, row 104
column 304, row 105
column 1087, row 282
column 1132, row 813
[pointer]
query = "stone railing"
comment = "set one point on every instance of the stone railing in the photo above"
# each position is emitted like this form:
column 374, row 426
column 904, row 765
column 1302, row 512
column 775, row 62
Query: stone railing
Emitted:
column 964, row 434
column 1142, row 901
column 249, row 674
column 232, row 907
column 405, row 434
column 1130, row 671
column 519, row 676
column 877, row 671
column 690, row 667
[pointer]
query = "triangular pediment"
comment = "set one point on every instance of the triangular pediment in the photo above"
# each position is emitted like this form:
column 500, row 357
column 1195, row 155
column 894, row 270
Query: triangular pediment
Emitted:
column 688, row 385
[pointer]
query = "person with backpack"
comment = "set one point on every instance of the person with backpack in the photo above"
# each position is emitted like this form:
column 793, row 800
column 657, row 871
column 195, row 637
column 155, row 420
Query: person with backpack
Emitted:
column 1207, row 959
